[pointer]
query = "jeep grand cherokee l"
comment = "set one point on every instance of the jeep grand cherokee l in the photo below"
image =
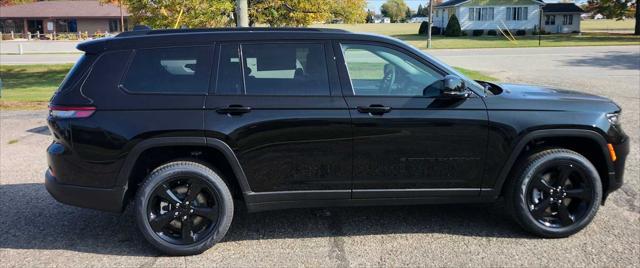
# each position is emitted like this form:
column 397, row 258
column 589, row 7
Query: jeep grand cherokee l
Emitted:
column 189, row 124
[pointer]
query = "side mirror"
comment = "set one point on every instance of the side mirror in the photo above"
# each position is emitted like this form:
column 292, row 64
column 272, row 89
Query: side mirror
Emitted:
column 454, row 87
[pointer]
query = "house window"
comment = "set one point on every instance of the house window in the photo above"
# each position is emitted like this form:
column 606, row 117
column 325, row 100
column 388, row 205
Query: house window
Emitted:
column 550, row 20
column 567, row 19
column 517, row 13
column 481, row 14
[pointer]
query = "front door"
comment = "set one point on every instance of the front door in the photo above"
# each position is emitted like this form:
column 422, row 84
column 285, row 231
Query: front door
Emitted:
column 407, row 141
column 279, row 107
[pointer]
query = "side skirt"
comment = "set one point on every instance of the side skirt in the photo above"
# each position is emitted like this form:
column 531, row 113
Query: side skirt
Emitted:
column 293, row 199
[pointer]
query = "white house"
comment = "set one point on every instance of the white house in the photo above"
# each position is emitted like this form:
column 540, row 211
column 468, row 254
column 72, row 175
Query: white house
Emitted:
column 561, row 17
column 381, row 19
column 418, row 19
column 510, row 14
column 490, row 14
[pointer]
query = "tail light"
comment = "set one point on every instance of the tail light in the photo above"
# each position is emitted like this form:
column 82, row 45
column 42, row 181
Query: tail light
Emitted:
column 64, row 112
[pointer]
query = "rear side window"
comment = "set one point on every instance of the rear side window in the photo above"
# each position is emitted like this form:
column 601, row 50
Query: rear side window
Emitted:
column 285, row 69
column 169, row 70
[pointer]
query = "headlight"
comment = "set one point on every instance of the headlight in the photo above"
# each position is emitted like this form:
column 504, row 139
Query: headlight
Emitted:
column 614, row 118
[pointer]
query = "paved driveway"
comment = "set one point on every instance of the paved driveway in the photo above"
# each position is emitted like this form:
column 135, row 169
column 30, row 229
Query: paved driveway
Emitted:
column 37, row 231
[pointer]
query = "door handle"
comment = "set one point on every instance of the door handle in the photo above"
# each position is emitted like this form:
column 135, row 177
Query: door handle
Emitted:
column 234, row 109
column 376, row 109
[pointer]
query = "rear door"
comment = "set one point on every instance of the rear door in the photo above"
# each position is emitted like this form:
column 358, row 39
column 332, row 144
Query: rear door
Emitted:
column 279, row 107
column 408, row 142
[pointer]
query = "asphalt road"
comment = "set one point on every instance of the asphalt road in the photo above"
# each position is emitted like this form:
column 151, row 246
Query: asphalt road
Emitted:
column 37, row 231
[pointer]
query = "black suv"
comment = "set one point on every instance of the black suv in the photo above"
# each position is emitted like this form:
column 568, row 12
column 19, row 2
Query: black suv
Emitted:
column 191, row 123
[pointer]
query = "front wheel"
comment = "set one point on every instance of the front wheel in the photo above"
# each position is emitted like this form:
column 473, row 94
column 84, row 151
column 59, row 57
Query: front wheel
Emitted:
column 556, row 193
column 183, row 208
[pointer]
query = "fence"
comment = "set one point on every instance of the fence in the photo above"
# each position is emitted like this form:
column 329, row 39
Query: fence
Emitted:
column 53, row 36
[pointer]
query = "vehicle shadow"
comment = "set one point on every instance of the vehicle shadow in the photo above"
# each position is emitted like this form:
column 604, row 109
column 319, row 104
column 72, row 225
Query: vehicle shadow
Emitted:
column 613, row 59
column 32, row 219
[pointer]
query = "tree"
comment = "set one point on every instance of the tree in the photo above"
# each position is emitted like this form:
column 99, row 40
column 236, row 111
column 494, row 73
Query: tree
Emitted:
column 278, row 13
column 408, row 14
column 453, row 27
column 615, row 9
column 178, row 13
column 349, row 11
column 419, row 11
column 394, row 9
column 370, row 16
column 612, row 9
column 637, row 31
column 14, row 2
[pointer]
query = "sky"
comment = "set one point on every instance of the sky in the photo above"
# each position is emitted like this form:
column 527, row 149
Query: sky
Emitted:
column 413, row 4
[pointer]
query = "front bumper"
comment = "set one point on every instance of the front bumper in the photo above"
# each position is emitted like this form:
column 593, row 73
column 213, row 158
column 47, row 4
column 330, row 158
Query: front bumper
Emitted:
column 616, row 177
column 107, row 199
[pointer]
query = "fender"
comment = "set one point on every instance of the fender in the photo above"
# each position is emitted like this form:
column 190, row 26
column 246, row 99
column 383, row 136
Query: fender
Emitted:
column 547, row 133
column 132, row 157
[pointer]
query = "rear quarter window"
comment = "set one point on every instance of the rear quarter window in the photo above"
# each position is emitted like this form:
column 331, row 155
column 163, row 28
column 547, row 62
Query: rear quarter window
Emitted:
column 169, row 70
column 76, row 73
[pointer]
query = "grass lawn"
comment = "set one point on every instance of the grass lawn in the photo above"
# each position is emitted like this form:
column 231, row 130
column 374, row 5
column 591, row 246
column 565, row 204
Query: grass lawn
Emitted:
column 408, row 33
column 31, row 86
column 607, row 25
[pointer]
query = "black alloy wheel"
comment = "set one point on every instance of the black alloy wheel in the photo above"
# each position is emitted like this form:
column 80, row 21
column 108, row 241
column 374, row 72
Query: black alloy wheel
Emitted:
column 554, row 193
column 184, row 208
column 560, row 195
column 183, row 211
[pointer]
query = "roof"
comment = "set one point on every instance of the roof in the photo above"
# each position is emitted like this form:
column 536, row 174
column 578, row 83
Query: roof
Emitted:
column 561, row 8
column 451, row 3
column 62, row 9
column 458, row 2
column 144, row 30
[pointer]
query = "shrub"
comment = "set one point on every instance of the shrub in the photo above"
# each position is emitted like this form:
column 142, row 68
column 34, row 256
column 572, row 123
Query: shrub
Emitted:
column 478, row 32
column 453, row 27
column 492, row 32
column 436, row 30
column 423, row 28
column 521, row 32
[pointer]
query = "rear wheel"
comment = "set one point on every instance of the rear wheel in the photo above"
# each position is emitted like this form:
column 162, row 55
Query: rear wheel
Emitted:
column 556, row 193
column 184, row 208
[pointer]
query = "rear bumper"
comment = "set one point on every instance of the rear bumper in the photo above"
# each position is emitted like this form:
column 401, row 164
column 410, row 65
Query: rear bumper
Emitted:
column 106, row 199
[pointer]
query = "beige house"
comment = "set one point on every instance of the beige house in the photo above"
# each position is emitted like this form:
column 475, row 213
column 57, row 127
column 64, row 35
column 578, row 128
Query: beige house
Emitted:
column 62, row 16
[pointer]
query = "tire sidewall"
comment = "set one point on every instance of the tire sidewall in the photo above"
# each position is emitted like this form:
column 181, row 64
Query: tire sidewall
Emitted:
column 168, row 172
column 540, row 161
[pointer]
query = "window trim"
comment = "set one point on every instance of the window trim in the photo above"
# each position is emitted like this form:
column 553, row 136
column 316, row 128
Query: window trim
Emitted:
column 322, row 42
column 347, row 86
column 132, row 55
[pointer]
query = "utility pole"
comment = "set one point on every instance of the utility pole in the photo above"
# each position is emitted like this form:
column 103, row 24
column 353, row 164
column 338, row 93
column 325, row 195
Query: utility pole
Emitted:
column 121, row 16
column 430, row 23
column 242, row 11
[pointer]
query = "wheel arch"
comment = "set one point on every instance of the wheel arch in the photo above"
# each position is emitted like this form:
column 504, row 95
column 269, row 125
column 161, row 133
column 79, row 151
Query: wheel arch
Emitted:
column 595, row 139
column 126, row 174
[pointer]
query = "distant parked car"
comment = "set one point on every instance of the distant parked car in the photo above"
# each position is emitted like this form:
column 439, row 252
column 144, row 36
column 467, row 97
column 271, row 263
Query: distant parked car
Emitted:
column 189, row 124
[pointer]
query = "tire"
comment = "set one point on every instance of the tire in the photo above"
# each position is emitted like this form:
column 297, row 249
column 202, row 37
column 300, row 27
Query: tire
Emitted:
column 540, row 207
column 183, row 208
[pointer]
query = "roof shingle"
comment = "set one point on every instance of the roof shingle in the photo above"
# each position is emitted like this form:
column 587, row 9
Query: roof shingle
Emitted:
column 561, row 8
column 62, row 9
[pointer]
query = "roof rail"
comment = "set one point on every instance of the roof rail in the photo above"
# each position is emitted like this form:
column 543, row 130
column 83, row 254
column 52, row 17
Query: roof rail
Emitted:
column 145, row 30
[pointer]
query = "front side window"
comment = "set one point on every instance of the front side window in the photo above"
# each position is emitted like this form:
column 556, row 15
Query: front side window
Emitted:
column 285, row 69
column 169, row 70
column 379, row 71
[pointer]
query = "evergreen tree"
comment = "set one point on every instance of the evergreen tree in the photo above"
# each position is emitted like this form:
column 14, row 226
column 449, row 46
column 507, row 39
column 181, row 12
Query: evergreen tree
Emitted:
column 453, row 27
